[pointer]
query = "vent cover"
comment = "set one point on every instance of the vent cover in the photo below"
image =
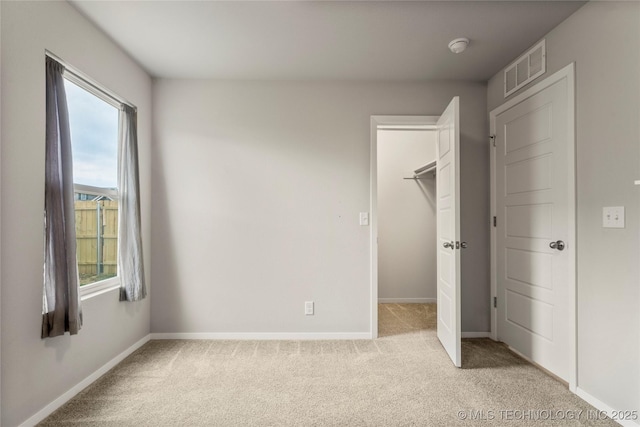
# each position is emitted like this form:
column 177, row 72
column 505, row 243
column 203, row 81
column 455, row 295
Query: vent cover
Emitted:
column 524, row 69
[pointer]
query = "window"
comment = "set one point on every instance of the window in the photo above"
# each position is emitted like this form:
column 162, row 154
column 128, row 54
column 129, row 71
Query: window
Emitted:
column 88, row 131
column 93, row 121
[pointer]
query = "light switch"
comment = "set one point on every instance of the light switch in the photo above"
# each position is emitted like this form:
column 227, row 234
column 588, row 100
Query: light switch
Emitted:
column 364, row 218
column 613, row 217
column 308, row 308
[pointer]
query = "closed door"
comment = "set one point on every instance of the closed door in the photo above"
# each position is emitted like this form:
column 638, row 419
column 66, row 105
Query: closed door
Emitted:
column 533, row 250
column 448, row 231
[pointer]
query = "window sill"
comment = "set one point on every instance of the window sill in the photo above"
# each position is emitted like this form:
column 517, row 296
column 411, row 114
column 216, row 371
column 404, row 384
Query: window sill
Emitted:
column 99, row 288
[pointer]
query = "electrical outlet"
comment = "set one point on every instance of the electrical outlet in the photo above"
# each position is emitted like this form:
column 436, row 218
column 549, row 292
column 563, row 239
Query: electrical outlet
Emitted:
column 613, row 217
column 308, row 308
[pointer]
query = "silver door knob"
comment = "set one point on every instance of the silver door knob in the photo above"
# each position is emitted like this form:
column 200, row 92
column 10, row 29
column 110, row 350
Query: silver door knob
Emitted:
column 559, row 245
column 463, row 245
column 448, row 245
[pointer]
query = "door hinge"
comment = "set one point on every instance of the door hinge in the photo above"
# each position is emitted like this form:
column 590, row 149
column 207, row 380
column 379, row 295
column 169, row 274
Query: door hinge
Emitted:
column 493, row 139
column 495, row 302
column 495, row 221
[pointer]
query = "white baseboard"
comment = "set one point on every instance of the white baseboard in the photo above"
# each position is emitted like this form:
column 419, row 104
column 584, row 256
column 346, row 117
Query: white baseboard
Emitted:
column 601, row 406
column 51, row 407
column 406, row 300
column 261, row 336
column 476, row 335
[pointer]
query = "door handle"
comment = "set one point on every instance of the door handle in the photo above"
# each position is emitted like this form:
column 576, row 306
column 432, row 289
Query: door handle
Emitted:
column 559, row 245
column 448, row 245
column 463, row 245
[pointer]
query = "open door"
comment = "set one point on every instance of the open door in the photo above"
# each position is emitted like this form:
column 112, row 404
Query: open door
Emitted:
column 448, row 206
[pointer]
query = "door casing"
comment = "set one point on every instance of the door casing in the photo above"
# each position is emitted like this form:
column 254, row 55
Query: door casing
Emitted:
column 568, row 73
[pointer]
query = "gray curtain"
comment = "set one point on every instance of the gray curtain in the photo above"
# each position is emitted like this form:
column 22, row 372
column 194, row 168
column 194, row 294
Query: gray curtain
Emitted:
column 61, row 311
column 131, row 269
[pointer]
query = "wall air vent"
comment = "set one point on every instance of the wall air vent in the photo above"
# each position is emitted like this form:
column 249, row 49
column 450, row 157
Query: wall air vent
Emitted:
column 525, row 69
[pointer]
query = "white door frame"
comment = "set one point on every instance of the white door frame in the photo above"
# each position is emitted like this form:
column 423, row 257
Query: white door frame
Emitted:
column 429, row 123
column 569, row 74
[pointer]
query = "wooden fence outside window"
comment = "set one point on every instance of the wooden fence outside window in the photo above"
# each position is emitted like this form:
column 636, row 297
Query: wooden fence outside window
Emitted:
column 97, row 239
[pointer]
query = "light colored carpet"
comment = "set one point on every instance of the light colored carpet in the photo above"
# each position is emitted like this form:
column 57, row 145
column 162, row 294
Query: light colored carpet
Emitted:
column 403, row 378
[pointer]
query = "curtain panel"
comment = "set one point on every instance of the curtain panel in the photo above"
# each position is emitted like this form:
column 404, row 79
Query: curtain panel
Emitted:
column 61, row 310
column 130, row 266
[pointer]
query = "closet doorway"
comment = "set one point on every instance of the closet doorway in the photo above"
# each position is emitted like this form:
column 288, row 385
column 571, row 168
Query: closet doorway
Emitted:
column 415, row 220
column 406, row 231
column 406, row 215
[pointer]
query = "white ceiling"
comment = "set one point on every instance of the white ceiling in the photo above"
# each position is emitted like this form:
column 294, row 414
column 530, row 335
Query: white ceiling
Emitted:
column 327, row 40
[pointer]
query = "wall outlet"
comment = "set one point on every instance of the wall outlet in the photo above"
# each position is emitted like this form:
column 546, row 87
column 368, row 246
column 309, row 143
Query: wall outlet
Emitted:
column 613, row 217
column 308, row 308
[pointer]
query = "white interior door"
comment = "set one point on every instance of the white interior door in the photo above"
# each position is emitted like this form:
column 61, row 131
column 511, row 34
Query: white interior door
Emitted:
column 448, row 206
column 533, row 194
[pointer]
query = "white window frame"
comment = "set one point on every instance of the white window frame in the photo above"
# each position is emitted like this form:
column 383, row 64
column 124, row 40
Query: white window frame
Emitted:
column 100, row 287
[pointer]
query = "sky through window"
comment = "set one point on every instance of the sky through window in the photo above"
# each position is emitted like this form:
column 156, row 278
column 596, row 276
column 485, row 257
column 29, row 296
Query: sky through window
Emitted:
column 94, row 138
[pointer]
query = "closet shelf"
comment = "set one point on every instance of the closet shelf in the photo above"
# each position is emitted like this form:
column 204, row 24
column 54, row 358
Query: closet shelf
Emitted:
column 429, row 167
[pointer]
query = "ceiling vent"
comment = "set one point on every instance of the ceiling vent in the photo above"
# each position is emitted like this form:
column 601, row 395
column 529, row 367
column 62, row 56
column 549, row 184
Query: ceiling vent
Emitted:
column 525, row 69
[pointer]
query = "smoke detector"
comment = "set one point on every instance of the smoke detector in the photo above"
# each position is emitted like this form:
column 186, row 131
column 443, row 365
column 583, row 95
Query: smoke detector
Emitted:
column 458, row 45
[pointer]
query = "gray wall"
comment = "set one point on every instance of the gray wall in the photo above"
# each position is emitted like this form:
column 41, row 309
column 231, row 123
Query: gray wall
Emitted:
column 406, row 217
column 602, row 38
column 35, row 371
column 257, row 190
